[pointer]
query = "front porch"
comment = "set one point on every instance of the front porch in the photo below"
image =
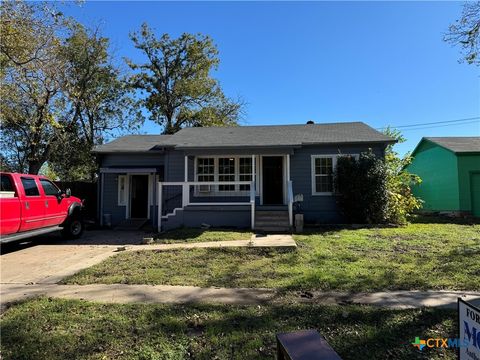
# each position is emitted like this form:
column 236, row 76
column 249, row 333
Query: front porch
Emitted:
column 229, row 190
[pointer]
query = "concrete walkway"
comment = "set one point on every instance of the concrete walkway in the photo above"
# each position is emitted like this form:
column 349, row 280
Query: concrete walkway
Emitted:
column 121, row 293
column 277, row 241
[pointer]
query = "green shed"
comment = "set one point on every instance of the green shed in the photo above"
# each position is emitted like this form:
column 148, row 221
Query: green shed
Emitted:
column 450, row 171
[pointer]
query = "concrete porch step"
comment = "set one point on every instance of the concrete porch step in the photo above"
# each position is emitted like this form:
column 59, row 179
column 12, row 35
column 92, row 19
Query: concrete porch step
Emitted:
column 282, row 217
column 275, row 216
column 273, row 222
column 273, row 229
column 271, row 213
column 272, row 208
column 272, row 219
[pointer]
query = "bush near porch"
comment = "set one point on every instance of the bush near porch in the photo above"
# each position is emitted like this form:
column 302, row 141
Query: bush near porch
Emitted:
column 416, row 256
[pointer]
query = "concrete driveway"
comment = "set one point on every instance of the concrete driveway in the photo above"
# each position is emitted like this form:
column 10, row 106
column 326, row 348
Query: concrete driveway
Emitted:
column 47, row 259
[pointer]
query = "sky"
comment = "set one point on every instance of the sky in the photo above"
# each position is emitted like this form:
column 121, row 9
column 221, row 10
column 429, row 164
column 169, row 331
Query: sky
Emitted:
column 383, row 63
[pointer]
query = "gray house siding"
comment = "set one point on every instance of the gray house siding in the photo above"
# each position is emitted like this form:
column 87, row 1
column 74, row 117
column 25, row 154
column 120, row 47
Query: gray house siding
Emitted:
column 110, row 199
column 316, row 208
column 319, row 208
column 216, row 216
column 175, row 165
column 109, row 196
column 133, row 160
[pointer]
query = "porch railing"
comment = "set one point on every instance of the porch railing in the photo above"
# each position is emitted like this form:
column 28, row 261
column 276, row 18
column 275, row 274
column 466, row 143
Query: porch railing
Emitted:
column 187, row 201
column 252, row 204
column 290, row 201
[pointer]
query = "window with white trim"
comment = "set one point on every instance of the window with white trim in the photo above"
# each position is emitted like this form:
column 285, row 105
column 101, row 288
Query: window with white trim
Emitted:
column 222, row 168
column 323, row 175
column 323, row 168
column 245, row 172
column 226, row 172
column 205, row 172
column 122, row 190
column 205, row 169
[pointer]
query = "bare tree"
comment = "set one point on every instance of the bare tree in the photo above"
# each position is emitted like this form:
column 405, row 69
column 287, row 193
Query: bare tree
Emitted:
column 465, row 32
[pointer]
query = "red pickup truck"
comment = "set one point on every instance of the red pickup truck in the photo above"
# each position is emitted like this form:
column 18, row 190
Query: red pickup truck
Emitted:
column 31, row 205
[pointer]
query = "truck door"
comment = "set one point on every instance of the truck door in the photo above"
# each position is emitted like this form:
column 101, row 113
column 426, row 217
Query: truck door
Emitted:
column 55, row 207
column 33, row 205
column 9, row 206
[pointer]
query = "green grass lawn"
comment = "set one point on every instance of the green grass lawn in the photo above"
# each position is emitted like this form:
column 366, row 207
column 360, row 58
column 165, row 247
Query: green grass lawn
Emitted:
column 417, row 256
column 72, row 329
column 201, row 235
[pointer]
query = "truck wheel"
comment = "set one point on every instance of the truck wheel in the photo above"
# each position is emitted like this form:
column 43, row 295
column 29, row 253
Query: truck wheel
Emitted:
column 73, row 228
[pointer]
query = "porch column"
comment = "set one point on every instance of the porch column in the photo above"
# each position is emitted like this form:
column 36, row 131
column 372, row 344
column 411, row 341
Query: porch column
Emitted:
column 159, row 210
column 288, row 167
column 253, row 172
column 154, row 197
column 289, row 193
column 253, row 191
column 186, row 168
column 100, row 210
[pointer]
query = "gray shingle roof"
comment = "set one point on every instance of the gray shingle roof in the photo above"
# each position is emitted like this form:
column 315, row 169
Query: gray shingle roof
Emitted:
column 134, row 143
column 277, row 135
column 250, row 136
column 458, row 144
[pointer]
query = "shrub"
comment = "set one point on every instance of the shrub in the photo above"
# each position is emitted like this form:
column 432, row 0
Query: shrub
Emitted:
column 401, row 201
column 361, row 187
column 376, row 190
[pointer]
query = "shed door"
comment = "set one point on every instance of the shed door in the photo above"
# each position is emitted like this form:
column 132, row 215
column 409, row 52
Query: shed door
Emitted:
column 475, row 191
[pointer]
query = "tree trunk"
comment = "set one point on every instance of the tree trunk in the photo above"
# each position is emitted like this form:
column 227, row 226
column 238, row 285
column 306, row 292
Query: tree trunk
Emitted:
column 34, row 166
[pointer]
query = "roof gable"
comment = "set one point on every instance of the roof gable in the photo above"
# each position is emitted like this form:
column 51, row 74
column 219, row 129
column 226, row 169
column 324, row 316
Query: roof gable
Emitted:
column 134, row 143
column 457, row 145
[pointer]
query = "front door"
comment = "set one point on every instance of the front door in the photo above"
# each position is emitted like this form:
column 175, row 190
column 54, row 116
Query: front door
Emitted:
column 56, row 209
column 33, row 205
column 272, row 172
column 139, row 197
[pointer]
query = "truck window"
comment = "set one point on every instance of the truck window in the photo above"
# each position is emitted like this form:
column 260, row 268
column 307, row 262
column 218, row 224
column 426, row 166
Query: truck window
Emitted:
column 48, row 187
column 6, row 183
column 30, row 187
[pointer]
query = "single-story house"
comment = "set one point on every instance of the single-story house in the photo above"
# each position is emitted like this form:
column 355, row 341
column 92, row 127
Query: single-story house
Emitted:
column 245, row 176
column 450, row 171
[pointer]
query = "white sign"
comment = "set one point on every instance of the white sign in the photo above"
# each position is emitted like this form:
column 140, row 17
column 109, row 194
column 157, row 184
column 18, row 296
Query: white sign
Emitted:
column 469, row 331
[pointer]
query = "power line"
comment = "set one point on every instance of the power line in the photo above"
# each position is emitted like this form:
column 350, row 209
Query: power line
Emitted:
column 430, row 123
column 437, row 126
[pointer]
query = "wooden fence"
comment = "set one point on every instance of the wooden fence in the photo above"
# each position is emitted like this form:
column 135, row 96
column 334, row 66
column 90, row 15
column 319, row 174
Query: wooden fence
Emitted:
column 86, row 191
